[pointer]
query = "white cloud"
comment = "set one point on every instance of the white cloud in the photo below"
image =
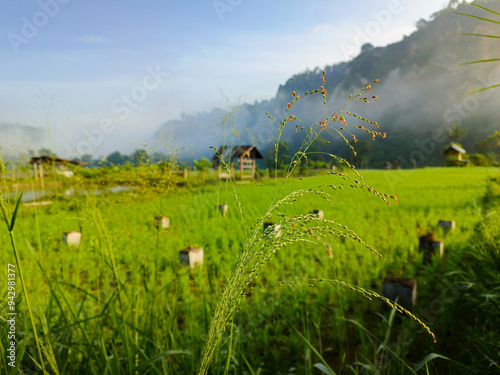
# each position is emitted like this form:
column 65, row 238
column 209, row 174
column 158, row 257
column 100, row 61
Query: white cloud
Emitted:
column 93, row 39
column 321, row 28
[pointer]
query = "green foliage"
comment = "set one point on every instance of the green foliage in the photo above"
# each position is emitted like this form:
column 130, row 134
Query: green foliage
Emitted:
column 456, row 133
column 88, row 160
column 46, row 152
column 116, row 158
column 9, row 217
column 203, row 165
column 140, row 157
column 77, row 292
column 480, row 160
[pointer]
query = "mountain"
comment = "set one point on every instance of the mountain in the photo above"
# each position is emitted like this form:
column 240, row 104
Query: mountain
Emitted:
column 422, row 92
column 16, row 139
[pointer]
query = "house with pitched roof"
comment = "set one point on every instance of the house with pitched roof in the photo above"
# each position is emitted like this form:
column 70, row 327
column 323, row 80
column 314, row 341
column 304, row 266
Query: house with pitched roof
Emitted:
column 453, row 156
column 240, row 157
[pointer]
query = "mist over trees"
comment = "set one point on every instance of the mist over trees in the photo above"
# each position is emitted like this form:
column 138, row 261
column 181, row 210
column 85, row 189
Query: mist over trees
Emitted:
column 422, row 97
column 422, row 104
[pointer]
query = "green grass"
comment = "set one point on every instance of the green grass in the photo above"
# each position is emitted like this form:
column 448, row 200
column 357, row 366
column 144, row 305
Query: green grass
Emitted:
column 122, row 302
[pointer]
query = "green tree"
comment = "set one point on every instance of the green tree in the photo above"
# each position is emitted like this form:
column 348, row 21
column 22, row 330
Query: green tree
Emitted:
column 421, row 24
column 87, row 159
column 158, row 157
column 116, row 158
column 203, row 165
column 364, row 153
column 140, row 157
column 456, row 132
column 46, row 152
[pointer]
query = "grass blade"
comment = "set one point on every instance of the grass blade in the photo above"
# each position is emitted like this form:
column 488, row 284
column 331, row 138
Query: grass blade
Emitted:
column 479, row 18
column 327, row 369
column 388, row 348
column 483, row 89
column 14, row 215
column 252, row 372
column 486, row 9
column 159, row 357
column 321, row 367
column 479, row 61
column 433, row 356
column 481, row 35
column 495, row 135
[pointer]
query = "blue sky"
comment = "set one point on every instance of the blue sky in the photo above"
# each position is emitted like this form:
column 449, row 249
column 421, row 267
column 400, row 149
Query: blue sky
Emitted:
column 85, row 61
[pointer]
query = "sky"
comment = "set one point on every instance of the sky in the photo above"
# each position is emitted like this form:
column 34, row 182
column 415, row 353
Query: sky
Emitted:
column 114, row 71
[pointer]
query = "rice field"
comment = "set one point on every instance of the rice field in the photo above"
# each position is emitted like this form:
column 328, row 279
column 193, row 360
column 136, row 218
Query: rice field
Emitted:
column 121, row 301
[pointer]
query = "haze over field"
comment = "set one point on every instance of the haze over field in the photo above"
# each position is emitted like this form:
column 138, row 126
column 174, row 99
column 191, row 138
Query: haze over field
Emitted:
column 422, row 95
column 109, row 76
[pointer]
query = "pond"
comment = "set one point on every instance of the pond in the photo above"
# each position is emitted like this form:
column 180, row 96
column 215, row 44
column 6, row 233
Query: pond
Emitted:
column 33, row 195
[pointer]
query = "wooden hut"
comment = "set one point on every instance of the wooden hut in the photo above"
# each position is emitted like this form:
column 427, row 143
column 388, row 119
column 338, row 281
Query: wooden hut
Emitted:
column 243, row 157
column 38, row 161
column 453, row 156
column 53, row 161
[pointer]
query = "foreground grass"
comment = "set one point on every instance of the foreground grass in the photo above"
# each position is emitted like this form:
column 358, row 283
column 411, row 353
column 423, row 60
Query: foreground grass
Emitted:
column 162, row 319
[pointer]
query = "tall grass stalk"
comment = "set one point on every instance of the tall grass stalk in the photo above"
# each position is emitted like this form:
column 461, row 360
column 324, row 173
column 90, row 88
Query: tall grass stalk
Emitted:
column 104, row 235
column 259, row 248
column 10, row 221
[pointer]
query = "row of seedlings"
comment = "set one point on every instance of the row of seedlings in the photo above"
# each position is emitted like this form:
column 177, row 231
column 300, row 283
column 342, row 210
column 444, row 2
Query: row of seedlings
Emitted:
column 404, row 291
column 193, row 256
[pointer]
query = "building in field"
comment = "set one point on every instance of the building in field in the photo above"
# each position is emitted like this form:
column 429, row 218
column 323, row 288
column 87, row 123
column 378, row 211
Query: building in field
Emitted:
column 237, row 158
column 52, row 160
column 60, row 164
column 453, row 156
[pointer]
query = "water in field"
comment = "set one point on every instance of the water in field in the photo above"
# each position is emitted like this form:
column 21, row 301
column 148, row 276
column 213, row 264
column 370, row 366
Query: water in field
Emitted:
column 36, row 194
